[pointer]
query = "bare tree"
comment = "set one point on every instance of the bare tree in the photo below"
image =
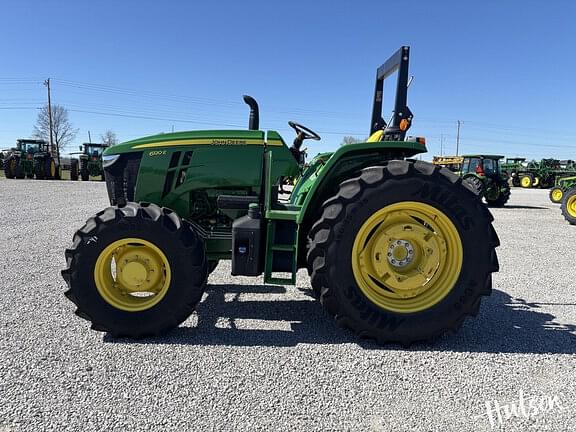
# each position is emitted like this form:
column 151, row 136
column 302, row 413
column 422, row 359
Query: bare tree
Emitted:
column 62, row 131
column 350, row 140
column 109, row 138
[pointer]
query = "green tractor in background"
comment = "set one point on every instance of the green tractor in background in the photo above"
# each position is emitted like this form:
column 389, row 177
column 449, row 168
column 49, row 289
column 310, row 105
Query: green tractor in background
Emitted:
column 31, row 158
column 398, row 250
column 484, row 174
column 512, row 167
column 561, row 186
column 543, row 174
column 89, row 163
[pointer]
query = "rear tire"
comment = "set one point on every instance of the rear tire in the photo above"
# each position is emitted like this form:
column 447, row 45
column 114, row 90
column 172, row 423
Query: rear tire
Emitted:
column 10, row 167
column 74, row 169
column 476, row 184
column 185, row 270
column 50, row 169
column 40, row 170
column 84, row 173
column 568, row 206
column 335, row 235
column 212, row 266
column 18, row 171
column 503, row 196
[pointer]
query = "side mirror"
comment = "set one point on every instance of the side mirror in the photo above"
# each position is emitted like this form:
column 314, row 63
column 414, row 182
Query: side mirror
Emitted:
column 80, row 148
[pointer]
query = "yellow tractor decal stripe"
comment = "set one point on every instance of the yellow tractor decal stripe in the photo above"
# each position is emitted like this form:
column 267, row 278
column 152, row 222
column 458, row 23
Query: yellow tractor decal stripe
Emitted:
column 209, row 141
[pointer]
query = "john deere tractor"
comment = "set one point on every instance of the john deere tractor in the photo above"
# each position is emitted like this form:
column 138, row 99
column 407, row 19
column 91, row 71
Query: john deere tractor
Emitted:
column 398, row 250
column 562, row 185
column 90, row 163
column 31, row 158
column 512, row 167
column 483, row 173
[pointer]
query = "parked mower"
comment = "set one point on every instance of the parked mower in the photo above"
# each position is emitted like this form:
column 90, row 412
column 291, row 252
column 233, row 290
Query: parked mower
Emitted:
column 89, row 163
column 398, row 250
column 31, row 158
column 484, row 175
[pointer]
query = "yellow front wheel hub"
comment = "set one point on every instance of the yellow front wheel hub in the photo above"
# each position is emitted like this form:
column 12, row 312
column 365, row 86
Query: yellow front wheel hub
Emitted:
column 132, row 274
column 571, row 206
column 526, row 182
column 557, row 195
column 407, row 257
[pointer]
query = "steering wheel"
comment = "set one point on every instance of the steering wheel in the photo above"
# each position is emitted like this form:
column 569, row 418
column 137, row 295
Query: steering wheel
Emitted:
column 306, row 133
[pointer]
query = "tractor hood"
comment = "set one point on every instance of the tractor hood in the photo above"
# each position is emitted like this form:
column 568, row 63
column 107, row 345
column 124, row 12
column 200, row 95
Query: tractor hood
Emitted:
column 206, row 137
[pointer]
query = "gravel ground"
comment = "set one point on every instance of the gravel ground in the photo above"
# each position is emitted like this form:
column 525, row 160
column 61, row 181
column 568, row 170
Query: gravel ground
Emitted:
column 259, row 357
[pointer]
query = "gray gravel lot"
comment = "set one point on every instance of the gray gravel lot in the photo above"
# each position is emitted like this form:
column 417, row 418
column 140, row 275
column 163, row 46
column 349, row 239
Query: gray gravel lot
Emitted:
column 259, row 357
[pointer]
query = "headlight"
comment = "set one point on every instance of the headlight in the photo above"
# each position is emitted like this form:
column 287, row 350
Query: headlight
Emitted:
column 108, row 160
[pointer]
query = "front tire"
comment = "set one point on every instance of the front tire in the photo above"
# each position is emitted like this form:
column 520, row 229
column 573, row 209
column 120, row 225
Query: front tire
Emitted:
column 526, row 181
column 388, row 231
column 135, row 271
column 556, row 195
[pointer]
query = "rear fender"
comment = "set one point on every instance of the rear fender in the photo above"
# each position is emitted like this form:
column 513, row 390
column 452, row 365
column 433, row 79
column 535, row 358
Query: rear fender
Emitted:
column 347, row 161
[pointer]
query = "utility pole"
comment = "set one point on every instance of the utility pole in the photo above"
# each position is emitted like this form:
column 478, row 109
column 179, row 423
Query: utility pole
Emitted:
column 441, row 144
column 47, row 84
column 458, row 137
column 89, row 138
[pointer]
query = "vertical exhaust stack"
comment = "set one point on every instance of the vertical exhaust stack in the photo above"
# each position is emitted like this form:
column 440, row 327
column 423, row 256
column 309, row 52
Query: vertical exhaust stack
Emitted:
column 254, row 121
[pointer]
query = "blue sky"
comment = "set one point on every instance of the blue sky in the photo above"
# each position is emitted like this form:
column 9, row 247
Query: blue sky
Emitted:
column 505, row 68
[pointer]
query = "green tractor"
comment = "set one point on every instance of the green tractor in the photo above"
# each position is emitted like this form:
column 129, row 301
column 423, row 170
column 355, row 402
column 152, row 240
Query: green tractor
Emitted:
column 561, row 186
column 90, row 163
column 512, row 167
column 484, row 175
column 543, row 174
column 398, row 250
column 568, row 205
column 31, row 158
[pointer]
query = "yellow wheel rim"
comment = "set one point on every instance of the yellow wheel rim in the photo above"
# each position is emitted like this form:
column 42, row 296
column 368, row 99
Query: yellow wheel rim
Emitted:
column 571, row 205
column 536, row 181
column 557, row 195
column 407, row 257
column 132, row 274
column 526, row 182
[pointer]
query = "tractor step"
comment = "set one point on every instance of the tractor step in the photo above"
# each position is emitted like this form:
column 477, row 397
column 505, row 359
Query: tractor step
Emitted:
column 281, row 248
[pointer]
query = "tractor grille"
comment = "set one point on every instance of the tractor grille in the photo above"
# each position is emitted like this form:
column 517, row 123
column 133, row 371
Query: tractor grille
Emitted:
column 121, row 178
